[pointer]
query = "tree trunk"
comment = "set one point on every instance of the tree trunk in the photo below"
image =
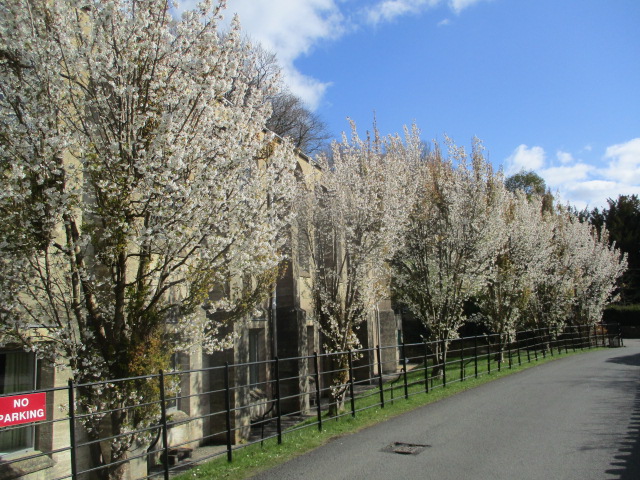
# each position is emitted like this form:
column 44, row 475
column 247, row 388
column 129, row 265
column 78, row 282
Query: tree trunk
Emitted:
column 110, row 462
column 339, row 383
column 440, row 352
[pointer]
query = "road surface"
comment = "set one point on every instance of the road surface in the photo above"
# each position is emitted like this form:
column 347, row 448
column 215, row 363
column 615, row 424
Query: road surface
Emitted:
column 574, row 418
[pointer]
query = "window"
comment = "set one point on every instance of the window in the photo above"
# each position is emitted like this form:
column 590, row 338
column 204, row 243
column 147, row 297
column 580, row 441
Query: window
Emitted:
column 17, row 374
column 254, row 356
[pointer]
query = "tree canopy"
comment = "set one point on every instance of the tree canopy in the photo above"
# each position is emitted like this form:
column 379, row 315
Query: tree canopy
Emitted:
column 530, row 183
column 622, row 220
column 520, row 262
column 527, row 181
column 136, row 181
column 289, row 117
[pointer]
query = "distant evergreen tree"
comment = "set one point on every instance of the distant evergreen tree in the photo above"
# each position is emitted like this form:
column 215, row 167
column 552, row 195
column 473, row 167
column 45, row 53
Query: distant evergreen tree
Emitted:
column 622, row 219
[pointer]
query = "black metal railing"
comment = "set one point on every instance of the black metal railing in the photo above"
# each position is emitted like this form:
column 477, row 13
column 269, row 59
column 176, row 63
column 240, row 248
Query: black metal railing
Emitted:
column 202, row 414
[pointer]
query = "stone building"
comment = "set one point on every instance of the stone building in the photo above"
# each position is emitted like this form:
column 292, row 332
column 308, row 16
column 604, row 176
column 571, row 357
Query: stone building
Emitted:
column 282, row 328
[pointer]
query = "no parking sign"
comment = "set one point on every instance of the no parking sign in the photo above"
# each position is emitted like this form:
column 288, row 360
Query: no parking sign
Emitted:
column 22, row 409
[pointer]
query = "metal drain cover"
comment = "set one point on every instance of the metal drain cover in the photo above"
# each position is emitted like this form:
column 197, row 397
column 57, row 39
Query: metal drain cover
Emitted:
column 405, row 448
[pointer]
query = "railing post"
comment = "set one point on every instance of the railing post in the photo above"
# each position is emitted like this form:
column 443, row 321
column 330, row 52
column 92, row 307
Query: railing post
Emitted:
column 550, row 341
column 426, row 367
column 444, row 365
column 462, row 361
column 589, row 337
column 380, row 385
column 278, row 411
column 475, row 355
column 535, row 345
column 509, row 350
column 353, row 399
column 500, row 352
column 558, row 343
column 488, row 355
column 227, row 407
column 404, row 368
column 620, row 335
column 72, row 431
column 317, row 377
column 518, row 350
column 163, row 422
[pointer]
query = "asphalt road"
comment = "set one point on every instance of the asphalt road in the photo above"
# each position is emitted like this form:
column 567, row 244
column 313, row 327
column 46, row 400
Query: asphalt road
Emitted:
column 575, row 418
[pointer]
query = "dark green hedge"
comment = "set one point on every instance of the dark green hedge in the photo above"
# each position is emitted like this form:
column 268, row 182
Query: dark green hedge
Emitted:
column 626, row 315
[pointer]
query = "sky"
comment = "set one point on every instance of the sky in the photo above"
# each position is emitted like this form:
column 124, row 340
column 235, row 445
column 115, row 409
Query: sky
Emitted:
column 548, row 85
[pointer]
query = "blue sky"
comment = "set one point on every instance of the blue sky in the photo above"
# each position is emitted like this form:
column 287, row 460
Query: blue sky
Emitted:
column 548, row 85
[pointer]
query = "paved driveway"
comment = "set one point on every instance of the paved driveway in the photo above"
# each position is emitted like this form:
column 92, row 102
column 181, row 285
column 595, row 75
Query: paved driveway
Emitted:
column 575, row 418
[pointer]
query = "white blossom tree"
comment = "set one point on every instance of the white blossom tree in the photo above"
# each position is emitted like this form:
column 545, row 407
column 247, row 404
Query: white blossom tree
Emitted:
column 525, row 246
column 452, row 240
column 351, row 215
column 136, row 178
column 578, row 276
column 596, row 267
column 550, row 302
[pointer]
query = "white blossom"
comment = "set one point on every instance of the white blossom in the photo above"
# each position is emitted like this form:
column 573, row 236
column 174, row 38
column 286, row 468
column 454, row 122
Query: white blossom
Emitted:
column 524, row 249
column 136, row 179
column 351, row 216
column 453, row 238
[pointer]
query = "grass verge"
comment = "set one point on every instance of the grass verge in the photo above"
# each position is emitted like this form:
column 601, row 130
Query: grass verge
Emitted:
column 256, row 458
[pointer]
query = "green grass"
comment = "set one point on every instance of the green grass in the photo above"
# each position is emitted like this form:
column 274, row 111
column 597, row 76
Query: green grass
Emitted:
column 258, row 457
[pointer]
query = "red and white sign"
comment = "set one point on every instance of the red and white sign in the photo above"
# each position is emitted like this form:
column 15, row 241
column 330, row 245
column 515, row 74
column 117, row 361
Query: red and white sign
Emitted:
column 23, row 409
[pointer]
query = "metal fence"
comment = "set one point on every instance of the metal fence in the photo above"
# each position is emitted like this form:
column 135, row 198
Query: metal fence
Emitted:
column 202, row 414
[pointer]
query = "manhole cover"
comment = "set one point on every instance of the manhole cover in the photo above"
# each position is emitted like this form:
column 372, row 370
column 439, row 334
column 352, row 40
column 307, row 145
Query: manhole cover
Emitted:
column 405, row 448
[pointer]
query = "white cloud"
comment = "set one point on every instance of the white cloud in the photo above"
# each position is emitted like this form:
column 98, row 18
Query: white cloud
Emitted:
column 583, row 184
column 459, row 5
column 624, row 162
column 444, row 23
column 565, row 158
column 307, row 88
column 292, row 28
column 567, row 174
column 593, row 193
column 388, row 10
column 525, row 158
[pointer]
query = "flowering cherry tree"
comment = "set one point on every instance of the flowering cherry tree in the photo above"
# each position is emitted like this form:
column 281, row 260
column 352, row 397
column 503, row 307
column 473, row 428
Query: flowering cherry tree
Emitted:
column 578, row 276
column 595, row 267
column 453, row 237
column 351, row 215
column 136, row 178
column 525, row 246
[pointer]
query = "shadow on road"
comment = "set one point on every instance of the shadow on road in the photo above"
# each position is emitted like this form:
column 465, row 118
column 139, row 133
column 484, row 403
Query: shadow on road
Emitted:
column 626, row 463
column 633, row 360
